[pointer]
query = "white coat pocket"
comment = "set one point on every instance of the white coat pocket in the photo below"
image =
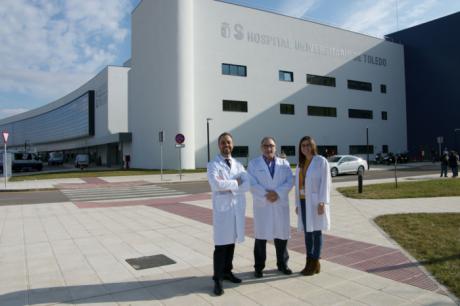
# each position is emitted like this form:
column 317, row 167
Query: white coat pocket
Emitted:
column 223, row 201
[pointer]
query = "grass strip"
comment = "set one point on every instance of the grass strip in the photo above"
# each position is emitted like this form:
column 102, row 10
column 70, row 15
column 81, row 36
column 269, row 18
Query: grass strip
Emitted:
column 420, row 189
column 433, row 239
column 96, row 173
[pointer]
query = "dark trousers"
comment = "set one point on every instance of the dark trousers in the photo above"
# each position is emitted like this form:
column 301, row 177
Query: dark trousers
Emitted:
column 443, row 170
column 260, row 254
column 223, row 258
column 313, row 240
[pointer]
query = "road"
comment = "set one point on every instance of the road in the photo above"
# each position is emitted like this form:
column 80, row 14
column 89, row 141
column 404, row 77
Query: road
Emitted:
column 54, row 196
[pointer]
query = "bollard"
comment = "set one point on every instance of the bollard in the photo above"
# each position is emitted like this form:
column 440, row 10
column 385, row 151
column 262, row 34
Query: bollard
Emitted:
column 360, row 183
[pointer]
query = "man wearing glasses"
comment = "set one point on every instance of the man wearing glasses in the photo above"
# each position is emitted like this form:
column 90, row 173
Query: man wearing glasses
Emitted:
column 271, row 180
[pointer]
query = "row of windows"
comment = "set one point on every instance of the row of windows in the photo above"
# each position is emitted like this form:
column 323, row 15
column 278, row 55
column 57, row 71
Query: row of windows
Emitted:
column 288, row 76
column 243, row 151
column 289, row 109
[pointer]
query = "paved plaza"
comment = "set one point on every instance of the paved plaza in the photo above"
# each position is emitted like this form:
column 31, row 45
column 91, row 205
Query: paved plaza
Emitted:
column 74, row 253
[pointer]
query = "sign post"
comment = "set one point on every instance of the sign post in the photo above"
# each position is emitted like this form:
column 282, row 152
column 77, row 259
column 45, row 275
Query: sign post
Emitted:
column 440, row 140
column 5, row 135
column 180, row 144
column 161, row 139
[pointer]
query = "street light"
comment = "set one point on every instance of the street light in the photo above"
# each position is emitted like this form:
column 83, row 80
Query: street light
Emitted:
column 367, row 147
column 207, row 133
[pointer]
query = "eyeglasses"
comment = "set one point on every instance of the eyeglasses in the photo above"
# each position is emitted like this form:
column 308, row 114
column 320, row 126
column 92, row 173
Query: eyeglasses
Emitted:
column 268, row 146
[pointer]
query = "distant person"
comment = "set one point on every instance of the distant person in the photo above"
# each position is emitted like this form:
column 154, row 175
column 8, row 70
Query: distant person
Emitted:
column 453, row 163
column 313, row 188
column 444, row 164
column 271, row 180
column 229, row 182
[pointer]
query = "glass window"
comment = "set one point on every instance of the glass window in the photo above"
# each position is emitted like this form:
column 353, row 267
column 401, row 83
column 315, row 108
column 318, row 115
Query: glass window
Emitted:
column 286, row 76
column 358, row 85
column 236, row 70
column 327, row 151
column 322, row 111
column 235, row 106
column 384, row 148
column 383, row 88
column 360, row 113
column 384, row 116
column 288, row 109
column 288, row 150
column 320, row 80
column 225, row 69
column 359, row 149
column 240, row 151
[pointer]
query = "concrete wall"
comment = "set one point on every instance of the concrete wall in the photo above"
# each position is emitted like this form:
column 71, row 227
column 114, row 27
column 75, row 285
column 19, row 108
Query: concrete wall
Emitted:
column 161, row 95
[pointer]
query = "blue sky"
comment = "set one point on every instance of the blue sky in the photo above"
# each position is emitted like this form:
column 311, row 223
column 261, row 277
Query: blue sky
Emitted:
column 51, row 47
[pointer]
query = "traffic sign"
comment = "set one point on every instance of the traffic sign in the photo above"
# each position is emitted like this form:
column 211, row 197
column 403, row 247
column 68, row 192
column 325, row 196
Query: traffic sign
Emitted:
column 180, row 138
column 5, row 136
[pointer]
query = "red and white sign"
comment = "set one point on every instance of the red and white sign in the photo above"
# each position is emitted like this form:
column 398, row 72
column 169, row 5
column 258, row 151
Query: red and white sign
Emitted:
column 180, row 139
column 5, row 136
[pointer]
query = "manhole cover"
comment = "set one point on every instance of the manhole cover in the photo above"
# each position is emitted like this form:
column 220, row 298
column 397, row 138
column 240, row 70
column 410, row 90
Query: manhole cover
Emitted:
column 147, row 262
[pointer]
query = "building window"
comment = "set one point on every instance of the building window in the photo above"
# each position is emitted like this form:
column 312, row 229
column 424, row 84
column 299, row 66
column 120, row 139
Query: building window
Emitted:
column 385, row 149
column 288, row 109
column 384, row 116
column 322, row 111
column 286, row 76
column 383, row 88
column 358, row 85
column 235, row 106
column 288, row 150
column 327, row 151
column 361, row 149
column 320, row 80
column 237, row 70
column 360, row 113
column 240, row 151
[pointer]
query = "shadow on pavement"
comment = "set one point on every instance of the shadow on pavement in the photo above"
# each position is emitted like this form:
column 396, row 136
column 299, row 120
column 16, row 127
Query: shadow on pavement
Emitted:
column 130, row 291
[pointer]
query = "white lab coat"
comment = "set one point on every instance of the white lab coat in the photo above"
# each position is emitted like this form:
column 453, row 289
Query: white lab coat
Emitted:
column 228, row 200
column 317, row 189
column 271, row 220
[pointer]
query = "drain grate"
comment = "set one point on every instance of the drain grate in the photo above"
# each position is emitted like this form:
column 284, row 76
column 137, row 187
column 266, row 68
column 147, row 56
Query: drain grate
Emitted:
column 147, row 262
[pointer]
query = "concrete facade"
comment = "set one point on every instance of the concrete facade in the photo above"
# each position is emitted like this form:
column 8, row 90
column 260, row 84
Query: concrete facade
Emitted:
column 176, row 81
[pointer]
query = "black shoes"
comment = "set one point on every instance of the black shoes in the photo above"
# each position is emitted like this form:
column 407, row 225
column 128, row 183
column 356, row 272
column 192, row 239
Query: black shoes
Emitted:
column 218, row 290
column 258, row 274
column 232, row 278
column 285, row 270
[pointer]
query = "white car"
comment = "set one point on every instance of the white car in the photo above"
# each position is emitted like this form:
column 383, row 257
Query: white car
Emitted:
column 346, row 164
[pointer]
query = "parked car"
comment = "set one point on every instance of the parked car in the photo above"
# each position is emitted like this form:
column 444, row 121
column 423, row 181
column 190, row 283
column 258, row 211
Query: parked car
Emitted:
column 82, row 161
column 56, row 158
column 23, row 161
column 346, row 164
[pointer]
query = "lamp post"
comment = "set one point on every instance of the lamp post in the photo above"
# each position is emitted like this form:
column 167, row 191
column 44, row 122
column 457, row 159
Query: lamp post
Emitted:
column 207, row 134
column 367, row 147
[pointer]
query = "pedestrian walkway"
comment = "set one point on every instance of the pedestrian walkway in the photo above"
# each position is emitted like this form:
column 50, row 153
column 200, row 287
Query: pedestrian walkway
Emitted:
column 99, row 190
column 74, row 253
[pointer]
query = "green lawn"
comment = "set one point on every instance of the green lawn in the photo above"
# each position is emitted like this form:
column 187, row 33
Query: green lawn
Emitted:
column 433, row 239
column 421, row 189
column 96, row 173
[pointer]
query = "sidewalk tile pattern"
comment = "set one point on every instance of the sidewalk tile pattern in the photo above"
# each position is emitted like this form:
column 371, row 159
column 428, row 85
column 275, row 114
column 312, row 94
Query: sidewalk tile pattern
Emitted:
column 383, row 261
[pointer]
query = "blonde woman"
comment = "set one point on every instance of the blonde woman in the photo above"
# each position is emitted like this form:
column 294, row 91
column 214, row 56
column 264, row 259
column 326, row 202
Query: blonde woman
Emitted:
column 313, row 185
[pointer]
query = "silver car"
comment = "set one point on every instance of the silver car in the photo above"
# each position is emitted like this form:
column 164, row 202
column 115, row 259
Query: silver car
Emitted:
column 346, row 164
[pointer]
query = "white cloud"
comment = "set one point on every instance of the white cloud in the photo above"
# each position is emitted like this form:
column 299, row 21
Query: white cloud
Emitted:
column 50, row 47
column 296, row 8
column 382, row 17
column 7, row 112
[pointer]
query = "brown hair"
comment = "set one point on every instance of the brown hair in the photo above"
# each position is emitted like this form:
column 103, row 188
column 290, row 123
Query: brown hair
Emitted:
column 314, row 149
column 223, row 135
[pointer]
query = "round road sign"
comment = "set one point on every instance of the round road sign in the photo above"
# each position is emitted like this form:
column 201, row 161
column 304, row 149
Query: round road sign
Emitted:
column 180, row 138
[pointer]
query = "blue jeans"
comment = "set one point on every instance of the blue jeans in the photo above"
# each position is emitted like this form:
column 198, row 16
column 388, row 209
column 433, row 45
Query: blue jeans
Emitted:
column 313, row 240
